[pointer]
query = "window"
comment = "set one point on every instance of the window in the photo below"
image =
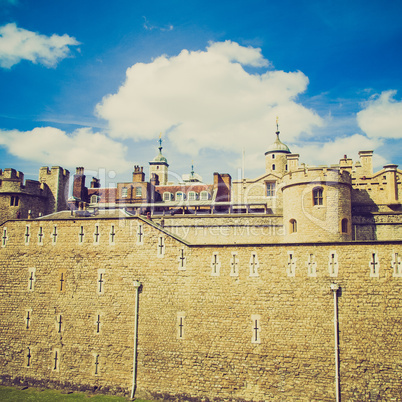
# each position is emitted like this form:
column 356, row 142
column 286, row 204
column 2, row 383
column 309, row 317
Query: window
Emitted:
column 333, row 264
column 180, row 325
column 124, row 192
column 273, row 156
column 14, row 201
column 317, row 196
column 101, row 282
column 40, row 235
column 98, row 324
column 28, row 318
column 54, row 235
column 215, row 265
column 96, row 363
column 138, row 192
column 4, row 238
column 271, row 189
column 31, row 279
column 344, row 225
column 61, row 281
column 112, row 235
column 192, row 196
column 374, row 265
column 180, row 196
column 167, row 196
column 234, row 265
column 96, row 234
column 291, row 270
column 256, row 328
column 293, row 225
column 81, row 235
column 56, row 359
column 27, row 235
column 273, row 167
column 59, row 324
column 29, row 357
column 94, row 199
column 161, row 246
column 204, row 195
column 397, row 265
column 254, row 264
column 140, row 234
column 182, row 260
column 311, row 266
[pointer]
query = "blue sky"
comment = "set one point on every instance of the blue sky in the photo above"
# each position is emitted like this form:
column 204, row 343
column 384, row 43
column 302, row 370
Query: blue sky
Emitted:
column 94, row 83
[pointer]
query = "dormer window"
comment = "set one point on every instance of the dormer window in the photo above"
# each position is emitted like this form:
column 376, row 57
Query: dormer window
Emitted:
column 204, row 195
column 167, row 196
column 192, row 196
column 94, row 199
column 180, row 196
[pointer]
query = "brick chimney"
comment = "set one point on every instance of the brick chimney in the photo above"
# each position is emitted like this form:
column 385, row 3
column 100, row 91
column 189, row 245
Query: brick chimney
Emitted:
column 95, row 183
column 79, row 189
column 138, row 174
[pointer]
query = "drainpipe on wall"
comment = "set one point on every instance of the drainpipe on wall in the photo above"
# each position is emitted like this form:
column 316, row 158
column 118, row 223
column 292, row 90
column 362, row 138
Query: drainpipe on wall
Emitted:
column 334, row 288
column 137, row 285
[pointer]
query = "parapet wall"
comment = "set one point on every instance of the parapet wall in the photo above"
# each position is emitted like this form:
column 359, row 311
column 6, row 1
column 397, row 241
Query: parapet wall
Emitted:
column 320, row 174
column 224, row 229
column 16, row 186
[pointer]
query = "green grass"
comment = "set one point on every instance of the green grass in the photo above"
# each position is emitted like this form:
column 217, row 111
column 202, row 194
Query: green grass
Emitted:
column 50, row 395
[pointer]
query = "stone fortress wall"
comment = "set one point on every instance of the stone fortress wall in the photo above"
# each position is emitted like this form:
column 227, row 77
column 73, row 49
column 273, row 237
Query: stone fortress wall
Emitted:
column 18, row 198
column 232, row 306
column 229, row 321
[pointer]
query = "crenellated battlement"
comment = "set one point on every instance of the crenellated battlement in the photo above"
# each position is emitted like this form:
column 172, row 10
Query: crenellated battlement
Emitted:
column 12, row 181
column 320, row 174
column 11, row 174
column 54, row 171
column 21, row 198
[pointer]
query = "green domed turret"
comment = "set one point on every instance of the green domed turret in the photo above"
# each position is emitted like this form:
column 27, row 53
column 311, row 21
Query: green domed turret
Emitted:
column 159, row 166
column 160, row 158
column 276, row 156
column 278, row 146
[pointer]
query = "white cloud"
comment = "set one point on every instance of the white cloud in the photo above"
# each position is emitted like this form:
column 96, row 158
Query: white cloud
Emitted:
column 150, row 27
column 205, row 99
column 48, row 145
column 332, row 151
column 18, row 44
column 382, row 117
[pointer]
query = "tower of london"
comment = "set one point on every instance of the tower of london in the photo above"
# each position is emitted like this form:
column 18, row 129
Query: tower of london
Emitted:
column 285, row 286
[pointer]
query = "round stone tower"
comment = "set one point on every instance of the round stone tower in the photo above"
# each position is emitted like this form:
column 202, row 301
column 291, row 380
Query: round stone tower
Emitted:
column 317, row 205
column 276, row 156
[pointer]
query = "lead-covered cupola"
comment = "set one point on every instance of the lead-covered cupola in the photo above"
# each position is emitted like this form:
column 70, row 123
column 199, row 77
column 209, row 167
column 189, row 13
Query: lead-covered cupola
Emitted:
column 159, row 166
column 276, row 155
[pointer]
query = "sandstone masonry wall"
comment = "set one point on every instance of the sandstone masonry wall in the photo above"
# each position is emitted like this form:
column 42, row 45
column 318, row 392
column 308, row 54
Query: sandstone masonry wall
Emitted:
column 223, row 229
column 241, row 322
